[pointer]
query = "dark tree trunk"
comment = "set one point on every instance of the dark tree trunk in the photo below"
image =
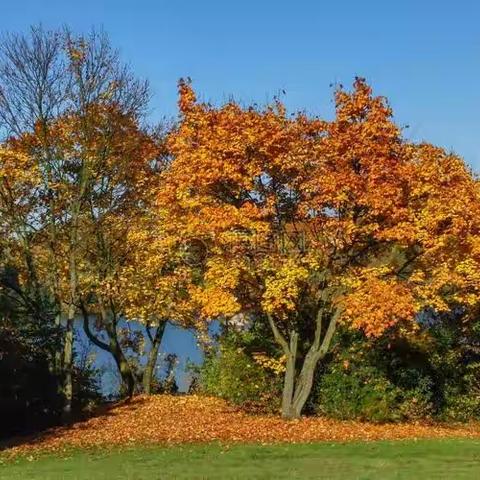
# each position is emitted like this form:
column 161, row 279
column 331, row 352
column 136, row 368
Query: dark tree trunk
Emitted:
column 113, row 347
column 149, row 371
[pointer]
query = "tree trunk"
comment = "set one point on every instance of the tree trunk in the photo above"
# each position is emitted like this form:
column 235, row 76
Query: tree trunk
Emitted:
column 113, row 347
column 304, row 385
column 297, row 388
column 68, row 347
column 72, row 302
column 149, row 371
column 68, row 366
column 128, row 378
column 289, row 380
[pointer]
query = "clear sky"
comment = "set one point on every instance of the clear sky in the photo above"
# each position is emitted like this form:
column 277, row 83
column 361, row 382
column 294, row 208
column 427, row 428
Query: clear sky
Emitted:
column 423, row 55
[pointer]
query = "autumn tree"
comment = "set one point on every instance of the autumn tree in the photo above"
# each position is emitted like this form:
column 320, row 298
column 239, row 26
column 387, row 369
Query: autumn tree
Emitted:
column 32, row 91
column 307, row 223
column 56, row 88
column 121, row 156
column 155, row 281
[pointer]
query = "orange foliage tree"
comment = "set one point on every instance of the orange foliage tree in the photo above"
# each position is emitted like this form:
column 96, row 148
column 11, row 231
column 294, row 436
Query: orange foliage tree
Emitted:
column 307, row 223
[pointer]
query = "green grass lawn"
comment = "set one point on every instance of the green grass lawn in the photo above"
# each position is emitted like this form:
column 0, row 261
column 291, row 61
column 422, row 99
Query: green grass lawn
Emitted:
column 452, row 459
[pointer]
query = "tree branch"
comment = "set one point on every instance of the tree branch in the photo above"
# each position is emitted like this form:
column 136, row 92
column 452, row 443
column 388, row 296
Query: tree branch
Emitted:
column 329, row 334
column 277, row 334
column 89, row 333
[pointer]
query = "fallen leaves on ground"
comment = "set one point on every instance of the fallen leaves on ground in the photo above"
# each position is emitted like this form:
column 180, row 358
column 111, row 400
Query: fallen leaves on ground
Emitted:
column 165, row 419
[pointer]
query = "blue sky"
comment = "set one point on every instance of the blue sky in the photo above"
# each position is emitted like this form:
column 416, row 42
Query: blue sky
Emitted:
column 423, row 55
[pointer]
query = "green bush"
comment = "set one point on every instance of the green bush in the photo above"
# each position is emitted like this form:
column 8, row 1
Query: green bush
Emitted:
column 456, row 363
column 462, row 398
column 232, row 374
column 357, row 394
column 461, row 407
column 373, row 381
column 365, row 394
column 416, row 403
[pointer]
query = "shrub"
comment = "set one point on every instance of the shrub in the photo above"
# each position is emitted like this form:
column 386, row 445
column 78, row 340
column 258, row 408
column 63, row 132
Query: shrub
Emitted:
column 86, row 388
column 357, row 394
column 456, row 363
column 462, row 398
column 378, row 382
column 29, row 397
column 232, row 374
column 416, row 403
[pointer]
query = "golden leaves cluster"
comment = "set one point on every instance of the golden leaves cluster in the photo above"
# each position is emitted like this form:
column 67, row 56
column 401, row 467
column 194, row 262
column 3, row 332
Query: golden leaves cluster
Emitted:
column 290, row 206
